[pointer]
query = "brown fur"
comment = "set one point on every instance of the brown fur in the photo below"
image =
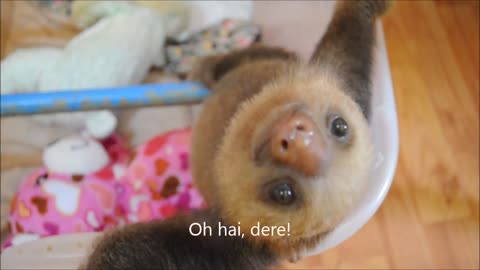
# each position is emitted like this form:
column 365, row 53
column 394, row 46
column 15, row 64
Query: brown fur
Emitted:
column 169, row 245
column 347, row 46
column 328, row 198
column 211, row 69
column 250, row 90
column 220, row 107
column 250, row 96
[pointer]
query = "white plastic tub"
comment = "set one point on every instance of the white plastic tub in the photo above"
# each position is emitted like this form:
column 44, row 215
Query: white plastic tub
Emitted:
column 67, row 251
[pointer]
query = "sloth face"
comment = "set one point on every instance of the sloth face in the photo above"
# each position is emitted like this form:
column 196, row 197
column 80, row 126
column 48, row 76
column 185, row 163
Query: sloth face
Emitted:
column 298, row 153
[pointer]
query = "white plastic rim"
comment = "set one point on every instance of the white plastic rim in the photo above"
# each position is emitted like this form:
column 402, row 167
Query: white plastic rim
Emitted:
column 65, row 251
column 68, row 251
column 384, row 132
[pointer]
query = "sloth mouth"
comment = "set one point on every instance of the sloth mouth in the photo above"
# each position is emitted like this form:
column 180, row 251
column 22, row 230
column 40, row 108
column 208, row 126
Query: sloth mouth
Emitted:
column 295, row 248
column 314, row 237
column 300, row 241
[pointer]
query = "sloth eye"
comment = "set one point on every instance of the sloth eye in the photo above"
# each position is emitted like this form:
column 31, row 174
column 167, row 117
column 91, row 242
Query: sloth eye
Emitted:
column 282, row 194
column 338, row 127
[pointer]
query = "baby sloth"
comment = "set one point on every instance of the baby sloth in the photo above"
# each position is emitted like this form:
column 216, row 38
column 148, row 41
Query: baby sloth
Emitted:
column 277, row 142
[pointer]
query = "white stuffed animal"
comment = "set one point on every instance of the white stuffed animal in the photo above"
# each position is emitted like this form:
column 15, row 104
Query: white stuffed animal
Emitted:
column 75, row 154
column 118, row 50
column 122, row 40
column 80, row 153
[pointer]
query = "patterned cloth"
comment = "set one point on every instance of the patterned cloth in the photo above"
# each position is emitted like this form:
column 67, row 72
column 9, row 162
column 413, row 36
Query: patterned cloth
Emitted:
column 220, row 38
column 157, row 184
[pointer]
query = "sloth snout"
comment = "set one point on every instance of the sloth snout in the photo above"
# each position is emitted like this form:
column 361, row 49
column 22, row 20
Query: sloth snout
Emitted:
column 298, row 144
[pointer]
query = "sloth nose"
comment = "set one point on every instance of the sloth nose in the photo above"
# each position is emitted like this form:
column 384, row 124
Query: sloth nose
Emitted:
column 297, row 143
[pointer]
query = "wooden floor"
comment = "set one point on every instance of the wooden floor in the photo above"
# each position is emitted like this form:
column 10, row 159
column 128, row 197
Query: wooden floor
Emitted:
column 430, row 218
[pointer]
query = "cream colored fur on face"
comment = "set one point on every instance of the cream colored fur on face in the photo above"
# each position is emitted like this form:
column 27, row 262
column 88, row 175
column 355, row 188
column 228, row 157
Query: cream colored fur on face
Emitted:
column 328, row 198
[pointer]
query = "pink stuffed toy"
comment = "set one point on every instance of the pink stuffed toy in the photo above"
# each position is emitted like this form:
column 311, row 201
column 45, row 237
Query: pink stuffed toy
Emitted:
column 158, row 182
column 88, row 185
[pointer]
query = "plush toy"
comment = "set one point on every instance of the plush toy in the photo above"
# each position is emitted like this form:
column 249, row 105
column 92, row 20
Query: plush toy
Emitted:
column 88, row 185
column 171, row 19
column 121, row 41
column 74, row 191
column 124, row 42
column 158, row 182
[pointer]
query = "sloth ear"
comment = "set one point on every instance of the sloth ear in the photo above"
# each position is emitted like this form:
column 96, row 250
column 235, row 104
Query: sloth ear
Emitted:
column 211, row 69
